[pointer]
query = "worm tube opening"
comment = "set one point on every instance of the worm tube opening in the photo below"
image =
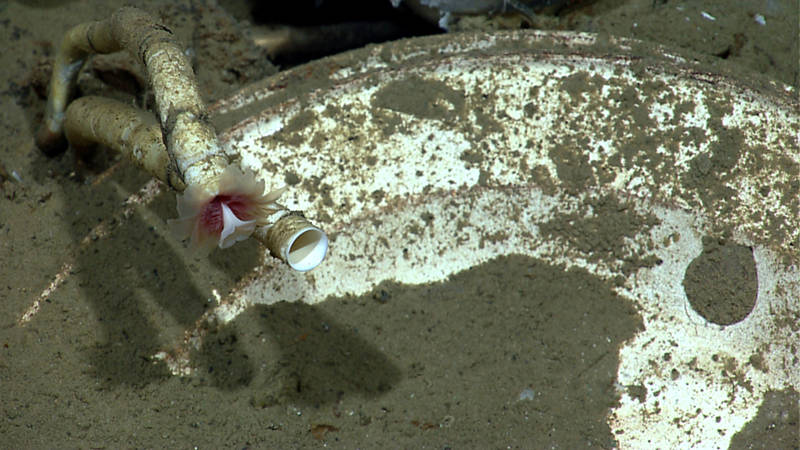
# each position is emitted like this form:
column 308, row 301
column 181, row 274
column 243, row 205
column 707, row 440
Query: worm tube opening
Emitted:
column 295, row 241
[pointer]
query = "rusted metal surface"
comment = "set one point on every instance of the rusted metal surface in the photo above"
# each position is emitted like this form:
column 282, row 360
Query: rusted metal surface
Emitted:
column 425, row 157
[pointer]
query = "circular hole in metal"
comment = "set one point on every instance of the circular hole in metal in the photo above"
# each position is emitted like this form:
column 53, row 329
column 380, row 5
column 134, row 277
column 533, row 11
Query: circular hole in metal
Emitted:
column 721, row 283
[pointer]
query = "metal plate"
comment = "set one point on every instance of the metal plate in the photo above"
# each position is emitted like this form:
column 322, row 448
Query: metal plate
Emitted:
column 426, row 157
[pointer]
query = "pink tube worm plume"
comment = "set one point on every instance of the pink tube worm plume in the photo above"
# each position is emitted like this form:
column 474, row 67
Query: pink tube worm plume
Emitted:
column 225, row 215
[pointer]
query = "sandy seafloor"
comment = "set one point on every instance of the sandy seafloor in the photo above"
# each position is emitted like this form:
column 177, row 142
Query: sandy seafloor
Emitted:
column 440, row 366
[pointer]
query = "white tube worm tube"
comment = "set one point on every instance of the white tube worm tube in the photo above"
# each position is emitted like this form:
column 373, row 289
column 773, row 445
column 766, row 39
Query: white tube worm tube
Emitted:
column 296, row 241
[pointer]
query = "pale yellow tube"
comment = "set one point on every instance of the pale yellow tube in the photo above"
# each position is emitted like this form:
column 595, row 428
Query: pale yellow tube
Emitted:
column 220, row 204
column 191, row 141
column 295, row 241
column 134, row 133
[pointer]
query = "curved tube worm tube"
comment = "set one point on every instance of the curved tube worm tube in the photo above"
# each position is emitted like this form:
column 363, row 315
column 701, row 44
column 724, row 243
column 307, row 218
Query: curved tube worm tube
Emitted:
column 135, row 133
column 191, row 142
column 220, row 204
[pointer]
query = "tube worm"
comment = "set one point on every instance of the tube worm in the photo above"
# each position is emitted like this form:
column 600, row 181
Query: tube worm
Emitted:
column 218, row 203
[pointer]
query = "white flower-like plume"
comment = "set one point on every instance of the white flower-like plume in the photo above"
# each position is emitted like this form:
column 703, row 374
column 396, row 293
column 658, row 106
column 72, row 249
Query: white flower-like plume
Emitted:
column 226, row 211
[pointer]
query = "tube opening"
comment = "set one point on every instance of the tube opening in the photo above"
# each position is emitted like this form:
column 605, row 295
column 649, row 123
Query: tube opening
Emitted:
column 306, row 249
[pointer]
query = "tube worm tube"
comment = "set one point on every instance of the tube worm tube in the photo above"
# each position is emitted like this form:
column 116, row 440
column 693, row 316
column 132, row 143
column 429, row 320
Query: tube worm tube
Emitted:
column 135, row 133
column 220, row 204
column 191, row 142
column 295, row 240
column 76, row 46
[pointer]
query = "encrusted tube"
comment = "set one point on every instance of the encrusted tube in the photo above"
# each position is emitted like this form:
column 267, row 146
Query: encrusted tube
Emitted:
column 295, row 240
column 191, row 141
column 135, row 133
column 219, row 204
column 78, row 44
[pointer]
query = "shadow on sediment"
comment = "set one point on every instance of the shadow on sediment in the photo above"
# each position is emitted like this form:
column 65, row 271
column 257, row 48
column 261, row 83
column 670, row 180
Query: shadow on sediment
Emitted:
column 294, row 353
column 143, row 289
